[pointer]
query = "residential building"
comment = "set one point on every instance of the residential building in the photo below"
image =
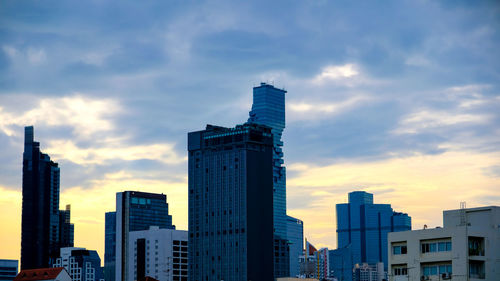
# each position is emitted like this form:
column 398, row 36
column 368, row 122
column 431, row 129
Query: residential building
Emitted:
column 109, row 246
column 80, row 263
column 137, row 211
column 467, row 247
column 308, row 262
column 366, row 272
column 268, row 109
column 322, row 264
column 158, row 253
column 230, row 185
column 42, row 232
column 45, row 274
column 341, row 264
column 362, row 226
column 295, row 235
column 8, row 270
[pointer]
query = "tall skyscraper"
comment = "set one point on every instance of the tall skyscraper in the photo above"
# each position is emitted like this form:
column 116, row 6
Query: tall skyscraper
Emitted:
column 268, row 109
column 230, row 186
column 295, row 234
column 137, row 211
column 41, row 226
column 363, row 227
column 109, row 246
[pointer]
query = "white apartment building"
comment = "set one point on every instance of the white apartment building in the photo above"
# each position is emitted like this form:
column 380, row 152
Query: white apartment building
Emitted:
column 158, row 253
column 467, row 247
column 80, row 263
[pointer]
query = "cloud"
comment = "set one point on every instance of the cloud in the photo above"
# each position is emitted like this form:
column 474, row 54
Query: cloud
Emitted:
column 420, row 185
column 304, row 110
column 86, row 115
column 427, row 119
column 34, row 56
column 336, row 72
column 66, row 149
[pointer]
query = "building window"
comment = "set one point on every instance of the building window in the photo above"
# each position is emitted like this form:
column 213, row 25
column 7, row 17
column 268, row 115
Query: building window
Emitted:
column 436, row 246
column 476, row 269
column 476, row 246
column 435, row 269
column 399, row 250
column 401, row 271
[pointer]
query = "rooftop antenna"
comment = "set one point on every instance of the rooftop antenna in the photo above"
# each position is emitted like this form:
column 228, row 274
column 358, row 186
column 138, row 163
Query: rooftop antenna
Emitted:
column 463, row 219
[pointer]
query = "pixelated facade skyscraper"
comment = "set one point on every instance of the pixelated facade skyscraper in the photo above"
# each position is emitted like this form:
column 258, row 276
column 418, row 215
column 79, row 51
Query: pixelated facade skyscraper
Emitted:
column 268, row 108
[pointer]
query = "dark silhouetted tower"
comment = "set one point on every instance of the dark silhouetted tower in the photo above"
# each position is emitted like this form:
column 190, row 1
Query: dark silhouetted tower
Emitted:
column 42, row 232
column 231, row 203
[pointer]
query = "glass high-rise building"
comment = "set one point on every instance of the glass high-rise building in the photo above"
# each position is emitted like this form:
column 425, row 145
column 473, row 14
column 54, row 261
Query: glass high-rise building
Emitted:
column 230, row 187
column 268, row 108
column 362, row 226
column 295, row 235
column 109, row 246
column 44, row 228
column 137, row 211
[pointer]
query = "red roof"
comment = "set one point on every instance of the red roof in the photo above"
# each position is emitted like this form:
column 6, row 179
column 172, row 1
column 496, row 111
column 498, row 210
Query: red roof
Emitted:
column 39, row 274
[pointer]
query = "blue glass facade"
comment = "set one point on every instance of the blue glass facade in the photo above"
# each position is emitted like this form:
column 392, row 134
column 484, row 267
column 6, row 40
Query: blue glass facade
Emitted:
column 137, row 211
column 363, row 227
column 341, row 264
column 230, row 187
column 109, row 246
column 295, row 234
column 268, row 108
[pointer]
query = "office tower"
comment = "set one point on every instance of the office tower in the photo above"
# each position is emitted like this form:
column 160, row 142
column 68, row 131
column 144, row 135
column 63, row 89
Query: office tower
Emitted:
column 467, row 247
column 81, row 264
column 268, row 108
column 295, row 234
column 8, row 270
column 67, row 229
column 341, row 264
column 137, row 211
column 230, row 182
column 363, row 227
column 109, row 246
column 41, row 230
column 158, row 253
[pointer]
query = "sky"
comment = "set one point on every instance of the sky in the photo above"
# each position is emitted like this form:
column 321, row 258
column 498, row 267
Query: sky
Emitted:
column 397, row 98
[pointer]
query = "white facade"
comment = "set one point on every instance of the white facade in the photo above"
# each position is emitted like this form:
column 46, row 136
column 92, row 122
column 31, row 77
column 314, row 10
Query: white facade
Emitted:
column 162, row 253
column 366, row 272
column 466, row 248
column 77, row 271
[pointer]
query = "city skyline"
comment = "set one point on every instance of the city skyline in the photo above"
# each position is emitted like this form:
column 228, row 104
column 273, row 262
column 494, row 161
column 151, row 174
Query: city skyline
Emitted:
column 407, row 111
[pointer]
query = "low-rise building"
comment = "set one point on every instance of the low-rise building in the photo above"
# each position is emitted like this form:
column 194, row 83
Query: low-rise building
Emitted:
column 81, row 264
column 8, row 270
column 45, row 274
column 158, row 253
column 467, row 247
column 368, row 272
